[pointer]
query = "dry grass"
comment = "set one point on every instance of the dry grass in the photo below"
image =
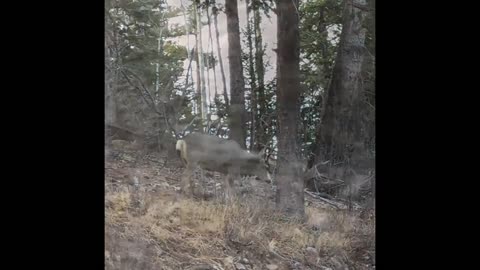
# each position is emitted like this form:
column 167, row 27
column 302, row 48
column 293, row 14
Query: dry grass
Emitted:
column 154, row 228
column 209, row 232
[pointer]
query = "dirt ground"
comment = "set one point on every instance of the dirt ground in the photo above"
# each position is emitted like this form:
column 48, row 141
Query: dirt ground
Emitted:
column 150, row 225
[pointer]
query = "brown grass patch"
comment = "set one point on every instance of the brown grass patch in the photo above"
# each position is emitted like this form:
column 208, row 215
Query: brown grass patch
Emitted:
column 208, row 232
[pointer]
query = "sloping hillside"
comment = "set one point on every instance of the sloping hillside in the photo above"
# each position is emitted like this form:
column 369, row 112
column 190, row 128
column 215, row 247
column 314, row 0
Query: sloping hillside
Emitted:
column 150, row 225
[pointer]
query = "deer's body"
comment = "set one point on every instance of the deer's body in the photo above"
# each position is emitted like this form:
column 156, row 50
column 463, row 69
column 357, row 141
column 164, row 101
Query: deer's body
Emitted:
column 215, row 154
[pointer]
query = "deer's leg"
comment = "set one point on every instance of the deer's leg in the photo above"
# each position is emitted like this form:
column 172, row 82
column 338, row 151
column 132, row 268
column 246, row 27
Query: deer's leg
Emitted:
column 227, row 187
column 228, row 181
column 203, row 183
column 233, row 175
column 187, row 180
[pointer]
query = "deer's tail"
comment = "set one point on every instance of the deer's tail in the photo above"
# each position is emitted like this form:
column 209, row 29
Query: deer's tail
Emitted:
column 181, row 148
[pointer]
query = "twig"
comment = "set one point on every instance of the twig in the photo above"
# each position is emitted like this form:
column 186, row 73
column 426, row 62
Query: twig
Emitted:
column 188, row 69
column 317, row 174
column 368, row 103
column 315, row 180
column 189, row 124
column 141, row 93
column 335, row 204
column 143, row 86
column 152, row 101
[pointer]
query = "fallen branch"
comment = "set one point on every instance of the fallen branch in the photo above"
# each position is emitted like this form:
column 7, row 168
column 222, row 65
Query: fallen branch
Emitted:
column 313, row 173
column 333, row 203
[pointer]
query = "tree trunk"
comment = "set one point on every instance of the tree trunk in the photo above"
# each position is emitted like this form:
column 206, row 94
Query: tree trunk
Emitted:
column 204, row 106
column 261, row 136
column 253, row 83
column 109, row 104
column 111, row 74
column 190, row 52
column 208, row 87
column 207, row 65
column 211, row 44
column 340, row 134
column 237, row 84
column 220, row 59
column 290, row 195
column 198, row 82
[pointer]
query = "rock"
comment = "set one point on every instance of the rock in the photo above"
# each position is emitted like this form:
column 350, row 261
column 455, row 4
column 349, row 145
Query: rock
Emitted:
column 240, row 266
column 228, row 262
column 245, row 260
column 272, row 267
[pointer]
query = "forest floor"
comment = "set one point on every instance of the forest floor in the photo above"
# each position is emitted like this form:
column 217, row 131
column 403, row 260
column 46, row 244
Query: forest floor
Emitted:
column 150, row 225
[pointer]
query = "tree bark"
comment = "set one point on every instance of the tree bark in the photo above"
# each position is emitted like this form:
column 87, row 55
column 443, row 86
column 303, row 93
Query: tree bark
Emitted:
column 111, row 74
column 261, row 136
column 109, row 105
column 237, row 83
column 340, row 133
column 220, row 59
column 253, row 83
column 290, row 195
column 198, row 82
column 204, row 107
column 211, row 44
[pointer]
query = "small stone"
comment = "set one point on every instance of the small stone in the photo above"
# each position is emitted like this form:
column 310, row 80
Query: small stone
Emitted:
column 240, row 266
column 228, row 261
column 272, row 266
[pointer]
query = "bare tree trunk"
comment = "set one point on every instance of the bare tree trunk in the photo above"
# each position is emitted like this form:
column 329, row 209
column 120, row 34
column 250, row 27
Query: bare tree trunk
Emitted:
column 208, row 87
column 111, row 74
column 159, row 52
column 211, row 44
column 290, row 195
column 109, row 104
column 198, row 82
column 190, row 52
column 261, row 136
column 220, row 59
column 237, row 84
column 253, row 83
column 204, row 106
column 340, row 133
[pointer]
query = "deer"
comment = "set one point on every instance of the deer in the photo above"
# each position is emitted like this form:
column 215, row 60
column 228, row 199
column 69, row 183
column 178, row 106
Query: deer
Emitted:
column 215, row 154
